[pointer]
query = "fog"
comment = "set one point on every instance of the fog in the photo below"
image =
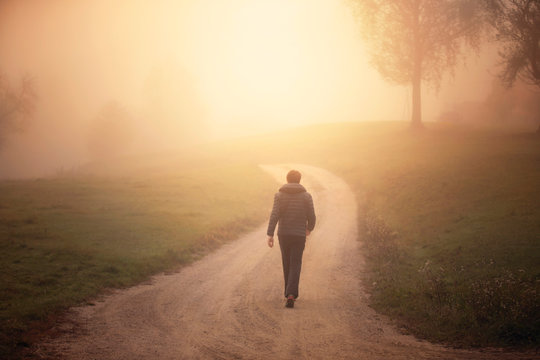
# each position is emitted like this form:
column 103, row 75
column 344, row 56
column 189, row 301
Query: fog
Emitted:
column 186, row 72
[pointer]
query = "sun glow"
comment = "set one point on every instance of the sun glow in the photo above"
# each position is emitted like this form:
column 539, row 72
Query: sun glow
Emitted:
column 264, row 64
column 186, row 71
column 265, row 54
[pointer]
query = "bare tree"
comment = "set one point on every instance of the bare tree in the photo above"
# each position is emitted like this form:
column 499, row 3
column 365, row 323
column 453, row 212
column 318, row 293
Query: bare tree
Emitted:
column 16, row 104
column 415, row 41
column 517, row 23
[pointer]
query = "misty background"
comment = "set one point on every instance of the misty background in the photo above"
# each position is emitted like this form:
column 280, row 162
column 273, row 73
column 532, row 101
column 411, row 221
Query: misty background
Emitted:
column 129, row 77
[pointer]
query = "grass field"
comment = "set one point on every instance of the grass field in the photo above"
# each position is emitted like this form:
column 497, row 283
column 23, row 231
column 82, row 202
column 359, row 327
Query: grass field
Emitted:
column 64, row 240
column 450, row 224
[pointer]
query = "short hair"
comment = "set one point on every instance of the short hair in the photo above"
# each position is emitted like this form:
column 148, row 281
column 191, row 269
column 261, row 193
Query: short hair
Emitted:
column 294, row 176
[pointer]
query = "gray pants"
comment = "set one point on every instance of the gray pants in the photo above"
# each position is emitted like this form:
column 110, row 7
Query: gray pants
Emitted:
column 292, row 248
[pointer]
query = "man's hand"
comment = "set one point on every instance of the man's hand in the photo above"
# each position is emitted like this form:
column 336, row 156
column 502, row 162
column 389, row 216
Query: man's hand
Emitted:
column 308, row 232
column 270, row 241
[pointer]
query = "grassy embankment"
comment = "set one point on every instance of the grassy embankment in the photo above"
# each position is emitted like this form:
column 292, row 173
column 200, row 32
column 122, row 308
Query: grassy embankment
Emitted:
column 450, row 222
column 64, row 240
column 453, row 233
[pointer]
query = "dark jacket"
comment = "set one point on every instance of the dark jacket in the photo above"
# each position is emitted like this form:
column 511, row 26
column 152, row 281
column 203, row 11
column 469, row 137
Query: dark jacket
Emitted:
column 293, row 209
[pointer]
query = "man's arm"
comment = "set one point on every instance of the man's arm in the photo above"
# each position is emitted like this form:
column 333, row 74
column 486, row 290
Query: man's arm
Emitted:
column 311, row 219
column 274, row 216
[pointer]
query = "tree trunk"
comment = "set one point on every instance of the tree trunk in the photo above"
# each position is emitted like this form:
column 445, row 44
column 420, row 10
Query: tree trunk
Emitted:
column 538, row 130
column 416, row 120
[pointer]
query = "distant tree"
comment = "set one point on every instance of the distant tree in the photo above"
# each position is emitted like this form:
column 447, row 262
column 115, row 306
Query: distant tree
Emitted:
column 111, row 132
column 517, row 23
column 513, row 105
column 516, row 106
column 411, row 41
column 16, row 104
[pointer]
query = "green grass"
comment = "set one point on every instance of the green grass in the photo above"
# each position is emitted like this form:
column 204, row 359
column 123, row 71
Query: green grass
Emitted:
column 65, row 240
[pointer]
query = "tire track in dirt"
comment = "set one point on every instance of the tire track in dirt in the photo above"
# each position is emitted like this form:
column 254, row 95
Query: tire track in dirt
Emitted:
column 229, row 305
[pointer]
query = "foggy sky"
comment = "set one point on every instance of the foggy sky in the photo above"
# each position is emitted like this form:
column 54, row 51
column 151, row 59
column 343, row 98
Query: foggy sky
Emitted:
column 224, row 68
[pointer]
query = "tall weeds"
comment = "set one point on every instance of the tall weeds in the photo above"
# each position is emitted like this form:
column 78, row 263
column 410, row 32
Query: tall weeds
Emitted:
column 447, row 303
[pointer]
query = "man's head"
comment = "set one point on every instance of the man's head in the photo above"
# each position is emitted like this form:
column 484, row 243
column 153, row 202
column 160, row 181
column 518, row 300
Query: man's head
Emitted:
column 294, row 176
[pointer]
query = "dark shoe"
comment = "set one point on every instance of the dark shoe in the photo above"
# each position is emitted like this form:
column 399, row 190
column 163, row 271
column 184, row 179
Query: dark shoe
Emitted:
column 290, row 301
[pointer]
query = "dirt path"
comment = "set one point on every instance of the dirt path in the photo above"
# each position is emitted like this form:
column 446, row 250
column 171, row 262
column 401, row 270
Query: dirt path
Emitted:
column 229, row 305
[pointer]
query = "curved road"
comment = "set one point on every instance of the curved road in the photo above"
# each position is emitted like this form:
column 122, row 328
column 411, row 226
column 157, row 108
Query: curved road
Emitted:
column 229, row 305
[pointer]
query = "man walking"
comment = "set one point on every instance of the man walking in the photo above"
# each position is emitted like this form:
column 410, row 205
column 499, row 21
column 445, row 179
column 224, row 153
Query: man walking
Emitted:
column 293, row 209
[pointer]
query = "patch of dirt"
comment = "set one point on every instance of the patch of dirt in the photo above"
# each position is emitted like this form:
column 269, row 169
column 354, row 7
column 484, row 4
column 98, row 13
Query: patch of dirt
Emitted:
column 229, row 305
